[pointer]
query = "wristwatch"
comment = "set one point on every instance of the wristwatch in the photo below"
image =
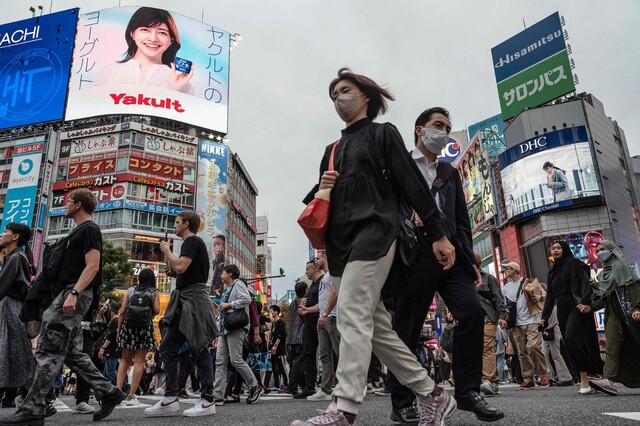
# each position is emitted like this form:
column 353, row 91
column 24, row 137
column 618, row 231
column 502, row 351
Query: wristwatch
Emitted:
column 75, row 292
column 324, row 314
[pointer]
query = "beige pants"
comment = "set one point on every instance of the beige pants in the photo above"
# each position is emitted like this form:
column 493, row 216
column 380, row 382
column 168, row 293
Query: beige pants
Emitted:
column 365, row 325
column 529, row 342
column 489, row 369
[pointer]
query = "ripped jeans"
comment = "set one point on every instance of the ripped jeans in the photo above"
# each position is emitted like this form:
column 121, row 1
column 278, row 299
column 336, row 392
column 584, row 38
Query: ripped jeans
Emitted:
column 60, row 341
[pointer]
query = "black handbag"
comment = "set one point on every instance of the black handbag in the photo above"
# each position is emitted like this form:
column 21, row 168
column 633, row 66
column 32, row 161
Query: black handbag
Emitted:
column 624, row 300
column 548, row 335
column 236, row 319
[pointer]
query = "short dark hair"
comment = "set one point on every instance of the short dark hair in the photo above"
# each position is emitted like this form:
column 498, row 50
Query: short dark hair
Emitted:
column 425, row 116
column 301, row 288
column 86, row 198
column 275, row 308
column 372, row 90
column 232, row 270
column 24, row 236
column 193, row 218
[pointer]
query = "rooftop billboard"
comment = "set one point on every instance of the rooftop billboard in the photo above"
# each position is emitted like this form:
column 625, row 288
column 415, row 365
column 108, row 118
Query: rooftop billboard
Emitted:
column 492, row 132
column 148, row 61
column 35, row 58
column 547, row 172
column 532, row 67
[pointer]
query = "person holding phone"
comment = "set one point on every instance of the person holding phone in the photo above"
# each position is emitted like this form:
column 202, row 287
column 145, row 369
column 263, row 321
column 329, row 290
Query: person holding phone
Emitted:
column 152, row 43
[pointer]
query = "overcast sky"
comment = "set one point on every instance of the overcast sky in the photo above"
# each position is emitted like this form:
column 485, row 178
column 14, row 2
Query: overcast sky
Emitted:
column 427, row 52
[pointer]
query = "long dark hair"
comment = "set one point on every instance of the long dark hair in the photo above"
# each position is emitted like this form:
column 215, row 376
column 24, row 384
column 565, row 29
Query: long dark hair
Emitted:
column 147, row 278
column 150, row 17
column 372, row 90
column 24, row 235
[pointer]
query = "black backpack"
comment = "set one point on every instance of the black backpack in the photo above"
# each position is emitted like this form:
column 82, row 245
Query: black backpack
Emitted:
column 140, row 307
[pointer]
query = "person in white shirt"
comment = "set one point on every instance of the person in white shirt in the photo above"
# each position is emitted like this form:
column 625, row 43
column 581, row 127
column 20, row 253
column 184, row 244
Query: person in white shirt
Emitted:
column 525, row 332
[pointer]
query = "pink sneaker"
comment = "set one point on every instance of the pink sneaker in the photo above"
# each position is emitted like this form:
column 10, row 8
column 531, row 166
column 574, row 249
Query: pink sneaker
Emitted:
column 435, row 409
column 330, row 417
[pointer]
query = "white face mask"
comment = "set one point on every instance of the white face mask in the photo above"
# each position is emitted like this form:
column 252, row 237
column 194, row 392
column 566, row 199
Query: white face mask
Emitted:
column 603, row 255
column 434, row 140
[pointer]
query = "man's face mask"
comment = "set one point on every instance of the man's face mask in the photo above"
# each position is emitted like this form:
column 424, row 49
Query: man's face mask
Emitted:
column 435, row 140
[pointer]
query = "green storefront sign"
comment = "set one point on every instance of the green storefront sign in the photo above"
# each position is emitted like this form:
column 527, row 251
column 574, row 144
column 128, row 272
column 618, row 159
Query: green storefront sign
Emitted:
column 534, row 86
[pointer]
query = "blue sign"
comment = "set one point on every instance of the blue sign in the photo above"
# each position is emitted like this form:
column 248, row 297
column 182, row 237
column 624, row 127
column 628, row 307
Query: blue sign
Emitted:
column 438, row 325
column 492, row 125
column 129, row 204
column 19, row 206
column 543, row 142
column 451, row 151
column 35, row 59
column 41, row 215
column 527, row 48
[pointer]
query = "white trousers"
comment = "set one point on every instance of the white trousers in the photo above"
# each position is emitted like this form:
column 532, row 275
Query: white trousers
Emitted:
column 365, row 325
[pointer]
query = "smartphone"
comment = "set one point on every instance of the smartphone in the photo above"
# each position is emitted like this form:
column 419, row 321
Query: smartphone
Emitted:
column 182, row 65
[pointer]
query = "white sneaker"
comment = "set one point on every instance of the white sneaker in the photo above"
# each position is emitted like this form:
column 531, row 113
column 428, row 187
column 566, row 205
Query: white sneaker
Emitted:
column 587, row 391
column 131, row 401
column 159, row 391
column 92, row 399
column 319, row 396
column 201, row 408
column 84, row 408
column 167, row 406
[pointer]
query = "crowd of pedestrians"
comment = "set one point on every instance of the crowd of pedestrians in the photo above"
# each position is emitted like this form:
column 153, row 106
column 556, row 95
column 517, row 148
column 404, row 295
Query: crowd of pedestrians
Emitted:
column 355, row 325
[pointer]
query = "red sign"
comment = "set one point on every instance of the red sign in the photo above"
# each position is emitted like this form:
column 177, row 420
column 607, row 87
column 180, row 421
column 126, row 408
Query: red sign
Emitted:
column 104, row 193
column 269, row 290
column 118, row 191
column 124, row 177
column 27, row 149
column 156, row 168
column 88, row 168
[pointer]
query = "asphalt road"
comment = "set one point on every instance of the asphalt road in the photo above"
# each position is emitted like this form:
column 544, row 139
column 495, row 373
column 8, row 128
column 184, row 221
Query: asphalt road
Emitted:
column 551, row 406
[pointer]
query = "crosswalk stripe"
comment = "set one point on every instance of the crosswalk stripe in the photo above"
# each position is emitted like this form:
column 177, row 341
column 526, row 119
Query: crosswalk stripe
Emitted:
column 630, row 416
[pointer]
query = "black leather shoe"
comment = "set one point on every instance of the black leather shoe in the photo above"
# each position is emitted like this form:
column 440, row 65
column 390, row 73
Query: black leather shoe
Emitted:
column 405, row 416
column 22, row 418
column 304, row 394
column 109, row 402
column 475, row 403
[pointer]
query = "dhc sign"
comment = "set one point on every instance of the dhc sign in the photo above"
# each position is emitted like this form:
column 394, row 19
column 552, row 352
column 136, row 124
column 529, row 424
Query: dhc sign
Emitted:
column 542, row 142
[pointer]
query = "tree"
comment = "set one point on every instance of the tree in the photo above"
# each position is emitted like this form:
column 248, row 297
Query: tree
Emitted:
column 116, row 269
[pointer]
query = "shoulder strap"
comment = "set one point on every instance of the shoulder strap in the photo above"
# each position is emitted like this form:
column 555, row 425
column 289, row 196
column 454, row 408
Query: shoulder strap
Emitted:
column 444, row 170
column 333, row 150
column 520, row 289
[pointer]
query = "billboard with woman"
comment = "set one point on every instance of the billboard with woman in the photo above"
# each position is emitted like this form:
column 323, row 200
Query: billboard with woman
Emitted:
column 149, row 61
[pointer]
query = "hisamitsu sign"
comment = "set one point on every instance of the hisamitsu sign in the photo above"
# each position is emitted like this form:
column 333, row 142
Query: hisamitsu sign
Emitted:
column 532, row 67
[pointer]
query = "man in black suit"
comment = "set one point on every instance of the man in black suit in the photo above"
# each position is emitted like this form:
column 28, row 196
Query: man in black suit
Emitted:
column 456, row 285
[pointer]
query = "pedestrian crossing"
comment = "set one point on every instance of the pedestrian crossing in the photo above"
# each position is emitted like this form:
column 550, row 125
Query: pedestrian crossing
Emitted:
column 630, row 416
